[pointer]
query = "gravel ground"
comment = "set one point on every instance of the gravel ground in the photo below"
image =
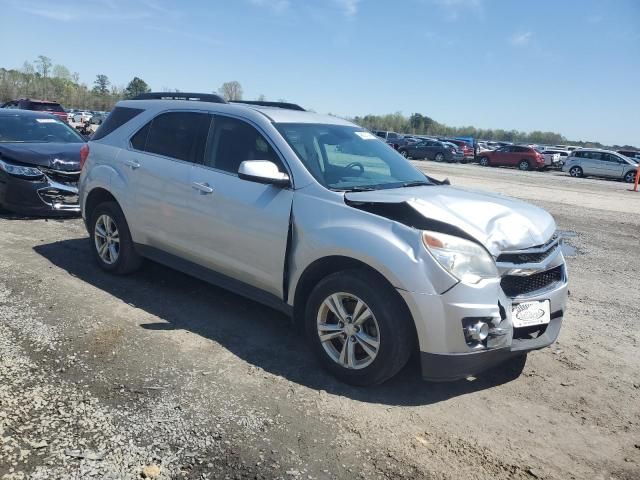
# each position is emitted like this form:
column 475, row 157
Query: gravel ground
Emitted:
column 159, row 375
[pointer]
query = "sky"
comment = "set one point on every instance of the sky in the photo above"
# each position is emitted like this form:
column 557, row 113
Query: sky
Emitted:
column 569, row 66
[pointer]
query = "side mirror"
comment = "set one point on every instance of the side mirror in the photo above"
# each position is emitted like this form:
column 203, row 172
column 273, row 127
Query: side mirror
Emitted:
column 263, row 171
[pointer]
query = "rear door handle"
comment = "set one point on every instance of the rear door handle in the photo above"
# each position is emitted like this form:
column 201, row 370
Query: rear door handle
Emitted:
column 203, row 188
column 132, row 163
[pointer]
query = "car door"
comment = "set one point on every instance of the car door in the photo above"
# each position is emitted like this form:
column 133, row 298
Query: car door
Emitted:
column 160, row 159
column 501, row 156
column 238, row 227
column 418, row 150
column 612, row 166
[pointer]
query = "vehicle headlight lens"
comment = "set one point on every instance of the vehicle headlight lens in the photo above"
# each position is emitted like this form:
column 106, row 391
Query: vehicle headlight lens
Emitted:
column 19, row 170
column 465, row 260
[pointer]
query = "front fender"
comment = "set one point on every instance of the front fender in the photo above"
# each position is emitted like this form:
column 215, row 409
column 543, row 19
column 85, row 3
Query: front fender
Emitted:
column 324, row 228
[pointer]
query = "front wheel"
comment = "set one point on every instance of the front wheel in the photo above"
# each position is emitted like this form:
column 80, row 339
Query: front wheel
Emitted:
column 524, row 165
column 484, row 161
column 439, row 157
column 112, row 244
column 630, row 177
column 359, row 328
column 404, row 153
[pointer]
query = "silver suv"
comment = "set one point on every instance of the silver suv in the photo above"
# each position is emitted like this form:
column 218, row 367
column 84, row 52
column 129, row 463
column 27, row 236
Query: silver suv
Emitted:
column 317, row 217
column 600, row 163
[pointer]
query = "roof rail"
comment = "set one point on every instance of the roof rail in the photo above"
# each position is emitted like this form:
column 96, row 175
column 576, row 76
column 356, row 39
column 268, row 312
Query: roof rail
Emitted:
column 261, row 103
column 196, row 97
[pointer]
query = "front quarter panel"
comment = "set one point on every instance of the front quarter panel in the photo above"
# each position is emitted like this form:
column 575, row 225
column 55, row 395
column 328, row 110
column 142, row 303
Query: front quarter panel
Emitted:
column 326, row 226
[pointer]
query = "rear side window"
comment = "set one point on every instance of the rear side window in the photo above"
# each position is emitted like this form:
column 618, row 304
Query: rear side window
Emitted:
column 118, row 117
column 179, row 135
column 139, row 140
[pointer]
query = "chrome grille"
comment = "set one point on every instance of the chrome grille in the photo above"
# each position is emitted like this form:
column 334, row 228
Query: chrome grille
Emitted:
column 531, row 255
column 68, row 178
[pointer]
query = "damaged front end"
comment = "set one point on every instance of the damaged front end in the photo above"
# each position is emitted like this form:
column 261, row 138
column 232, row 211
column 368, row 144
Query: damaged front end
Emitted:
column 507, row 265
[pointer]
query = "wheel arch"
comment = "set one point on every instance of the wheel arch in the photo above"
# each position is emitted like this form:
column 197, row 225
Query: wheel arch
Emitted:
column 95, row 197
column 326, row 266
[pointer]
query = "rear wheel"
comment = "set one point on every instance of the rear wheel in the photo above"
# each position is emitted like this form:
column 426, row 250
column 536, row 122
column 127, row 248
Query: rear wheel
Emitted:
column 112, row 244
column 358, row 327
column 576, row 172
column 630, row 177
column 524, row 165
column 484, row 161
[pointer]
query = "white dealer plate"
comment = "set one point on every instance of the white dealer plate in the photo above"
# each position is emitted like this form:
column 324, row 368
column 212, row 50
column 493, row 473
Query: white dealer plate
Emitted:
column 530, row 313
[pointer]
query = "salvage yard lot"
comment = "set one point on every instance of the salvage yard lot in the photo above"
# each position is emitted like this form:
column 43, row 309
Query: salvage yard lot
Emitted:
column 104, row 376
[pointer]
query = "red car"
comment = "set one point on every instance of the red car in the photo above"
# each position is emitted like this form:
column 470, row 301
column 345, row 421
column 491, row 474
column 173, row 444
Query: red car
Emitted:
column 45, row 106
column 466, row 149
column 525, row 158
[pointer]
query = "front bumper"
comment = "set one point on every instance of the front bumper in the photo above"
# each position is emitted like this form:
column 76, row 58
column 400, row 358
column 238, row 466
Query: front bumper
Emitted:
column 450, row 367
column 42, row 197
column 446, row 354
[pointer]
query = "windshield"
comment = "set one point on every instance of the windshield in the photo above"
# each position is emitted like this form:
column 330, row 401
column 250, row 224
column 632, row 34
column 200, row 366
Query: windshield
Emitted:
column 349, row 158
column 28, row 129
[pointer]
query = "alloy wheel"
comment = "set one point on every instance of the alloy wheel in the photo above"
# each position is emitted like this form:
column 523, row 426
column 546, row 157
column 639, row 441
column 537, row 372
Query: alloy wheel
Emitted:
column 439, row 157
column 348, row 331
column 107, row 239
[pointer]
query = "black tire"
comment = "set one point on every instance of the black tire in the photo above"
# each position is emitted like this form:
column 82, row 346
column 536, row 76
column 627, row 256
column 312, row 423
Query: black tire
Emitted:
column 576, row 172
column 630, row 176
column 484, row 162
column 127, row 260
column 524, row 165
column 396, row 330
column 404, row 153
column 439, row 157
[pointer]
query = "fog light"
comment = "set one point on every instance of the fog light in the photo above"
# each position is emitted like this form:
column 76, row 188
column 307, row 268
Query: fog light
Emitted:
column 478, row 331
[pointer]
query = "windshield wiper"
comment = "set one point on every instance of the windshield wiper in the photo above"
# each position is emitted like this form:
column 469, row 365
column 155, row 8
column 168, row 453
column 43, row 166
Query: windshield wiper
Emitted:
column 361, row 188
column 417, row 183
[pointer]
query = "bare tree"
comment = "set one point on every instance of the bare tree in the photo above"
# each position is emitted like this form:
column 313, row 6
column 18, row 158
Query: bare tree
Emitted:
column 43, row 65
column 231, row 91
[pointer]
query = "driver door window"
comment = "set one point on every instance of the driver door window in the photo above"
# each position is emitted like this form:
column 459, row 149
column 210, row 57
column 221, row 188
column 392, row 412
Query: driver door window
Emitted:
column 232, row 141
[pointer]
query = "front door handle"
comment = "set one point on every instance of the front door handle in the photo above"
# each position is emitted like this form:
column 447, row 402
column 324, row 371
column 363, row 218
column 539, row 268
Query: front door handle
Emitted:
column 203, row 188
column 132, row 163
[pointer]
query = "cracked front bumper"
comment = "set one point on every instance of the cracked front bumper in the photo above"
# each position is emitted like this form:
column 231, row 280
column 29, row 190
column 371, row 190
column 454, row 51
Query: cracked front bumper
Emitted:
column 43, row 197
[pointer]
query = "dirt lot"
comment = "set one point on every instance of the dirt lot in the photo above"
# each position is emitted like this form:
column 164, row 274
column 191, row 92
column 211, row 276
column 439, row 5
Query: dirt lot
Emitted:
column 162, row 375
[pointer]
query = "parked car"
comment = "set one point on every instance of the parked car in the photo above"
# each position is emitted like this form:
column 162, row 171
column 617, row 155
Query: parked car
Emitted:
column 467, row 150
column 562, row 153
column 633, row 154
column 551, row 159
column 47, row 106
column 82, row 117
column 373, row 257
column 432, row 150
column 39, row 163
column 525, row 158
column 600, row 163
column 97, row 118
column 386, row 135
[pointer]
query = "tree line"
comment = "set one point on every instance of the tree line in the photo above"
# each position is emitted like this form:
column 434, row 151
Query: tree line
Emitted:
column 46, row 80
column 418, row 124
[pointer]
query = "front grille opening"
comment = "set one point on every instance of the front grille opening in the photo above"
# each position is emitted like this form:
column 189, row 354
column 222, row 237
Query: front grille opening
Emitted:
column 53, row 196
column 529, row 333
column 515, row 285
column 519, row 258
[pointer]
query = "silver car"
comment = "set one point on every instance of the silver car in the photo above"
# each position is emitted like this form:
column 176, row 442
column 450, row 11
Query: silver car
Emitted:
column 600, row 163
column 319, row 218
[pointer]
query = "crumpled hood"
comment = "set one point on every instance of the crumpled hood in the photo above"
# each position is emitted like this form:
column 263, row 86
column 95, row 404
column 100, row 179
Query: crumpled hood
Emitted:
column 59, row 156
column 500, row 223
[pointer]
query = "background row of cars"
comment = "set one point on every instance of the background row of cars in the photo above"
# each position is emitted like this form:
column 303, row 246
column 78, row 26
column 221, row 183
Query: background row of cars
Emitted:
column 577, row 161
column 86, row 116
column 68, row 115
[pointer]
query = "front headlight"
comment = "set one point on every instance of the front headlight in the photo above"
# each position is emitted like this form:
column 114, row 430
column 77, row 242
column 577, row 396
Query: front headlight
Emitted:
column 20, row 171
column 465, row 260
